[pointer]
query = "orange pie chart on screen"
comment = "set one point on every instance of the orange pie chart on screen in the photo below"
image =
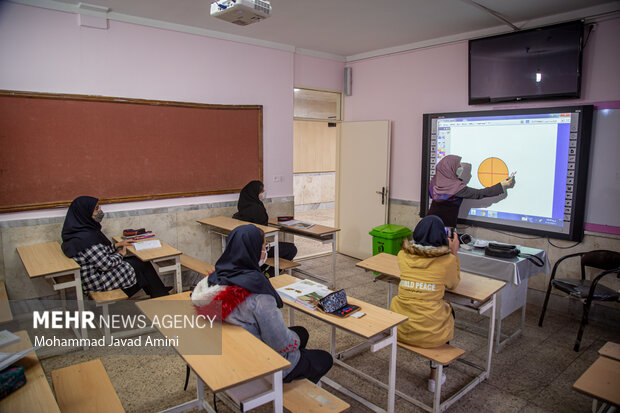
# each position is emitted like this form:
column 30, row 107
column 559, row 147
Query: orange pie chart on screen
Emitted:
column 491, row 171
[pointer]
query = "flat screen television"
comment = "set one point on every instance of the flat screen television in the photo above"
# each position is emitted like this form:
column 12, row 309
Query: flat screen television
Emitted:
column 548, row 148
column 543, row 63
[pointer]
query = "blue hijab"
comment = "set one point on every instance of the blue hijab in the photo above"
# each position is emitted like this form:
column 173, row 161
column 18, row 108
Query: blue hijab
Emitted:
column 430, row 231
column 238, row 265
column 80, row 231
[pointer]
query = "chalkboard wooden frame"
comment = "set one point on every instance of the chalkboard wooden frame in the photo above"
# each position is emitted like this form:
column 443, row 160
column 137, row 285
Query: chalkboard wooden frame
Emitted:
column 229, row 137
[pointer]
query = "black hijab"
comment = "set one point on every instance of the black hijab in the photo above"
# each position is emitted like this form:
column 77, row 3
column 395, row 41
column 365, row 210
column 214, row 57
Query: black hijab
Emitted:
column 250, row 207
column 238, row 265
column 80, row 231
column 430, row 232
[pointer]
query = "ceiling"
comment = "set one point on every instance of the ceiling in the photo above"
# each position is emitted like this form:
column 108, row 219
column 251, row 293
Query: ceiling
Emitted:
column 351, row 29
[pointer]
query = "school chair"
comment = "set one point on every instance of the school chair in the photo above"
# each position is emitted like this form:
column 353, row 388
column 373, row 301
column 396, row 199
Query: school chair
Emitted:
column 583, row 289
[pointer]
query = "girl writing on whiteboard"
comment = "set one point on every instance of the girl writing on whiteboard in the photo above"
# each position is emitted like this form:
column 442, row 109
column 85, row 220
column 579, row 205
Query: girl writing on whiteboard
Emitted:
column 249, row 300
column 250, row 208
column 103, row 264
column 427, row 268
column 447, row 190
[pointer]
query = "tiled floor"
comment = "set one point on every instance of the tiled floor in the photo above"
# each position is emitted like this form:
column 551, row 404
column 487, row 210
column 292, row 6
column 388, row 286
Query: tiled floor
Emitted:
column 534, row 373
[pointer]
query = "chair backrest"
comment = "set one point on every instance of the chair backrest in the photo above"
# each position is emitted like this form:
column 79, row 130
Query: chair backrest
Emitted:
column 601, row 259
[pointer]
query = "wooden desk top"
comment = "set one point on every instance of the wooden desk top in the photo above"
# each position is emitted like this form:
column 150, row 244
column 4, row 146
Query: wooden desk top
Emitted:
column 601, row 380
column 610, row 350
column 227, row 224
column 86, row 388
column 152, row 253
column 36, row 395
column 376, row 320
column 316, row 230
column 45, row 259
column 243, row 357
column 472, row 286
column 5, row 308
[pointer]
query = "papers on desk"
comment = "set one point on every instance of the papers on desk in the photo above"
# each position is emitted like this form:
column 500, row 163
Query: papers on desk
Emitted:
column 146, row 245
column 480, row 243
column 293, row 223
column 6, row 337
column 305, row 292
column 6, row 359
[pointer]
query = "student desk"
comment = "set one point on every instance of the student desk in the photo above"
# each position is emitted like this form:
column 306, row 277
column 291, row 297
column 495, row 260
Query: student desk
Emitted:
column 610, row 350
column 224, row 225
column 5, row 308
column 160, row 259
column 601, row 381
column 244, row 358
column 474, row 293
column 516, row 272
column 377, row 327
column 36, row 395
column 322, row 233
column 47, row 260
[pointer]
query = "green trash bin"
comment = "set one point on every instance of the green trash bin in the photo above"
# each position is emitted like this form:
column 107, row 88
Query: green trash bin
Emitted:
column 388, row 237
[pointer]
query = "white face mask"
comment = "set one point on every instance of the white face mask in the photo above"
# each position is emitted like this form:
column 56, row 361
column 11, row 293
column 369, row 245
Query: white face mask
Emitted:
column 459, row 171
column 262, row 195
column 261, row 261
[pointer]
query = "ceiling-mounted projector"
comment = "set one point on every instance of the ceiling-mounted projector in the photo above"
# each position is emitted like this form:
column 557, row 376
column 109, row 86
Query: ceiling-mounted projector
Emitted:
column 241, row 12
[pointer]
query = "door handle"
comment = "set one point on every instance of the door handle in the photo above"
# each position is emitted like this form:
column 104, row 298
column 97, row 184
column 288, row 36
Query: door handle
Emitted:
column 382, row 193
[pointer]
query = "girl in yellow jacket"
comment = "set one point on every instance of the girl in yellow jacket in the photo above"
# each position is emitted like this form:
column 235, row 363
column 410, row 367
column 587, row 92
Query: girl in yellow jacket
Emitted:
column 428, row 266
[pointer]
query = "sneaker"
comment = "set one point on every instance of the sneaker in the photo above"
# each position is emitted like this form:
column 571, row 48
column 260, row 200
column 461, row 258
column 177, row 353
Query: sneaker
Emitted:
column 431, row 383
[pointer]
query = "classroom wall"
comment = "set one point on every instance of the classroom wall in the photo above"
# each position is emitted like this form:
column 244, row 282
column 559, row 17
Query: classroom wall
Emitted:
column 403, row 87
column 47, row 51
column 319, row 73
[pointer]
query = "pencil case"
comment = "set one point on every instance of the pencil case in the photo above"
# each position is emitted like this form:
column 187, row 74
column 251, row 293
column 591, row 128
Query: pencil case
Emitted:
column 11, row 379
column 131, row 232
column 333, row 302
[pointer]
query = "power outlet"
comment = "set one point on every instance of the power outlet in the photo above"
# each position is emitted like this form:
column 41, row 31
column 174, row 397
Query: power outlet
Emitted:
column 278, row 178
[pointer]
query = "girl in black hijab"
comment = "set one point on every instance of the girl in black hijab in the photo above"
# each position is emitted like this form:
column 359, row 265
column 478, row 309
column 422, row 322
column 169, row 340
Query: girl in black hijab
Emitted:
column 249, row 300
column 103, row 264
column 250, row 208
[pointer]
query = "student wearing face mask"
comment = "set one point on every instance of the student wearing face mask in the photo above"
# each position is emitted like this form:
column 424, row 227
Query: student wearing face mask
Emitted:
column 249, row 300
column 250, row 208
column 447, row 191
column 104, row 265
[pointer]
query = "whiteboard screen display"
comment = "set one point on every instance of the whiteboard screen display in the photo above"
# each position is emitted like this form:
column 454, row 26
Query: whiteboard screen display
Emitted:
column 546, row 150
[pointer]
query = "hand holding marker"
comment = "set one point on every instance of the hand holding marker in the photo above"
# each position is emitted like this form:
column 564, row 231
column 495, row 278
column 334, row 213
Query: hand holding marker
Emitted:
column 510, row 181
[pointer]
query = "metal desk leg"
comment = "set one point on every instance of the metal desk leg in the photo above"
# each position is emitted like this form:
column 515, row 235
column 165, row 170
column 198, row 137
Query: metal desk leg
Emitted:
column 437, row 395
column 276, row 255
column 491, row 333
column 291, row 317
column 277, row 389
column 79, row 295
column 175, row 268
column 389, row 297
column 178, row 275
column 332, row 344
column 76, row 283
column 223, row 239
column 392, row 376
column 499, row 334
column 334, row 261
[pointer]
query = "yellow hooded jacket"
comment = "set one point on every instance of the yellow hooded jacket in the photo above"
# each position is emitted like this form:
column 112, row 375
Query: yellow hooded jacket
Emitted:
column 425, row 273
